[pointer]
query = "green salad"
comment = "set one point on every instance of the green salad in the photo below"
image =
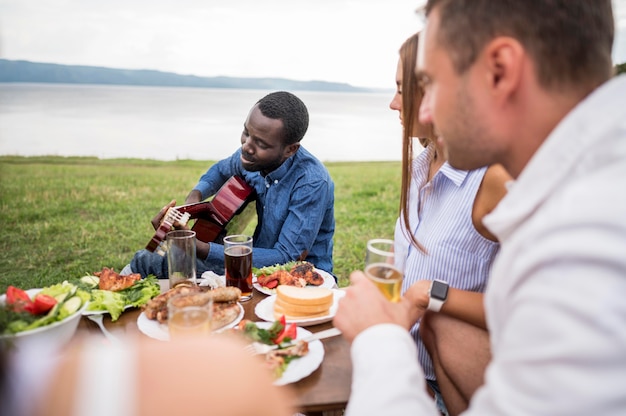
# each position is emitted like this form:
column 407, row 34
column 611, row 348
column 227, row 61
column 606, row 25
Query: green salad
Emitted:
column 115, row 302
column 67, row 299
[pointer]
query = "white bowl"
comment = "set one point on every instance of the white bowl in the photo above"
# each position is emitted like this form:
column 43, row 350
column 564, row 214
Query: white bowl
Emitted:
column 54, row 335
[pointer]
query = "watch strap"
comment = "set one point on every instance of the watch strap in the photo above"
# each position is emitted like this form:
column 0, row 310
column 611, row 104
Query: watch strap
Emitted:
column 435, row 302
column 435, row 305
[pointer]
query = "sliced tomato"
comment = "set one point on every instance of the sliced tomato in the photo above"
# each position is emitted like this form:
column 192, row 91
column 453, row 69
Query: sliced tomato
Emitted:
column 282, row 324
column 18, row 300
column 271, row 284
column 14, row 294
column 289, row 333
column 43, row 304
column 292, row 331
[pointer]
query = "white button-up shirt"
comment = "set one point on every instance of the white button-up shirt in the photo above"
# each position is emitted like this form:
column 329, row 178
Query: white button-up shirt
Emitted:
column 556, row 299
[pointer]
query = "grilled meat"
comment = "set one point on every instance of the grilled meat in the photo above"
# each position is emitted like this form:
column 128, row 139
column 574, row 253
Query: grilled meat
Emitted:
column 275, row 359
column 224, row 298
column 282, row 277
column 306, row 272
column 159, row 303
column 110, row 280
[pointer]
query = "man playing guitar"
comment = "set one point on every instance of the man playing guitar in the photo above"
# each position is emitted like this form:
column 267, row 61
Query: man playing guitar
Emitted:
column 294, row 193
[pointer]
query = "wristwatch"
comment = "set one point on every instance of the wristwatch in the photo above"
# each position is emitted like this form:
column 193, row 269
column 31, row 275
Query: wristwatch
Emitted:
column 437, row 295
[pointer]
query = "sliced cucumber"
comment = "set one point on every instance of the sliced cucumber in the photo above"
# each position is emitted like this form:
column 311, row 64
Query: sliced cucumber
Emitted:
column 90, row 281
column 71, row 305
column 61, row 297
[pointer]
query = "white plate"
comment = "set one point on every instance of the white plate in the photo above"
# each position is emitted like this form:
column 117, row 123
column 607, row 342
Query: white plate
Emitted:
column 329, row 282
column 156, row 330
column 265, row 310
column 303, row 366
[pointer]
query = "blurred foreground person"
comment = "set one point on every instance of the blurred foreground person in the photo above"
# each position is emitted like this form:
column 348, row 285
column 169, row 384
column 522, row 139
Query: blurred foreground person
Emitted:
column 526, row 84
column 210, row 376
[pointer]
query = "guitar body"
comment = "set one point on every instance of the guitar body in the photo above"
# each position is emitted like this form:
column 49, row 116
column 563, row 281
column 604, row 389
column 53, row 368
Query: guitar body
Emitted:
column 211, row 217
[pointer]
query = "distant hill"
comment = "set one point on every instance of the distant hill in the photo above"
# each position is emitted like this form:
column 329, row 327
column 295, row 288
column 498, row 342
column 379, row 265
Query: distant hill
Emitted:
column 26, row 71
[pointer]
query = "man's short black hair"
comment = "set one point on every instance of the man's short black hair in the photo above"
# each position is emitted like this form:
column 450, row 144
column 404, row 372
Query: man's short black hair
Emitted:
column 291, row 110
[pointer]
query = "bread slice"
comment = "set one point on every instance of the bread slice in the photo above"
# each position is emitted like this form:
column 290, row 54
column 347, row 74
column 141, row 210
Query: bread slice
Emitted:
column 304, row 296
column 302, row 303
column 301, row 310
column 279, row 311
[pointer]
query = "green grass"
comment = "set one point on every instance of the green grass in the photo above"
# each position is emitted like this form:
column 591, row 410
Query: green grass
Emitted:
column 66, row 217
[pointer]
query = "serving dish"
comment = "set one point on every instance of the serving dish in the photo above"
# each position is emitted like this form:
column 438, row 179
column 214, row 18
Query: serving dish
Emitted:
column 55, row 335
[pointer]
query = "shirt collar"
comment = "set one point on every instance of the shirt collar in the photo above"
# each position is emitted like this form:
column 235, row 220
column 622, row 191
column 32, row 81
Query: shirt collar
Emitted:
column 279, row 173
column 456, row 176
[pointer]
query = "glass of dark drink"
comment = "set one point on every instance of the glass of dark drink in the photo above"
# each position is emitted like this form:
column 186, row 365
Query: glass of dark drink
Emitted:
column 238, row 263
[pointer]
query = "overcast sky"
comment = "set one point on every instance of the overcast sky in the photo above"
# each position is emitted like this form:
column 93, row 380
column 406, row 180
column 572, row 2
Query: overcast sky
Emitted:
column 351, row 41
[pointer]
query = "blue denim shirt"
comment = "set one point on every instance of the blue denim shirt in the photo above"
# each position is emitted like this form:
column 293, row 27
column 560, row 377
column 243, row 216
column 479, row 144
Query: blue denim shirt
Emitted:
column 295, row 209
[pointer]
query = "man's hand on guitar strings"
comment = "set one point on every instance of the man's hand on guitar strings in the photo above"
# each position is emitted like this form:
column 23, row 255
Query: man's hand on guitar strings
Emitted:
column 158, row 219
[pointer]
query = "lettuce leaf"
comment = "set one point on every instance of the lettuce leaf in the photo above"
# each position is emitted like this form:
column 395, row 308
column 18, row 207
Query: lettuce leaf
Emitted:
column 264, row 336
column 60, row 291
column 267, row 270
column 142, row 291
column 105, row 300
column 115, row 302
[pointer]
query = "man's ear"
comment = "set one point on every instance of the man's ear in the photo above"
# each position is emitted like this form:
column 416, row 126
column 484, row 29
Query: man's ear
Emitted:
column 291, row 149
column 504, row 58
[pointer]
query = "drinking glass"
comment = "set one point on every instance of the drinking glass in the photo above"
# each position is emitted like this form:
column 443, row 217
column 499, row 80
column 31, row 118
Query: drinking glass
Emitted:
column 185, row 319
column 380, row 268
column 238, row 263
column 181, row 257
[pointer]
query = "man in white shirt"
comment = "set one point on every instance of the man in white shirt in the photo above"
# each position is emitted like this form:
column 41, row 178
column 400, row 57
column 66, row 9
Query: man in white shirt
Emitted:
column 528, row 85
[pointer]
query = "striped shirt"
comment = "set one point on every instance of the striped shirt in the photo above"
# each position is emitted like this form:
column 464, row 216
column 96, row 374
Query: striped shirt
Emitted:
column 441, row 220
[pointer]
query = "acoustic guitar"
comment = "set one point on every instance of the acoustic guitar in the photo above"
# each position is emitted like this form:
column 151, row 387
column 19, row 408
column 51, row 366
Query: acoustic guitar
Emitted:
column 211, row 217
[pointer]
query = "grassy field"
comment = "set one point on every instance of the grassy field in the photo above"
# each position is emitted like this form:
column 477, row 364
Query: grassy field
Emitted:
column 66, row 217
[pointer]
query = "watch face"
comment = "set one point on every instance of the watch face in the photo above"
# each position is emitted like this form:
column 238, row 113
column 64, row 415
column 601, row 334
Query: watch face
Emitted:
column 439, row 290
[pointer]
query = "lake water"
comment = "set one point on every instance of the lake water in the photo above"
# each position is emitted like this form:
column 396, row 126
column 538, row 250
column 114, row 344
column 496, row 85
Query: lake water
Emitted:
column 167, row 123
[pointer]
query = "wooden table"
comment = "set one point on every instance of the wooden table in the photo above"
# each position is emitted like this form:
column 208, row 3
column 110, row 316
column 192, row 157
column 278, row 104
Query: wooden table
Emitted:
column 327, row 388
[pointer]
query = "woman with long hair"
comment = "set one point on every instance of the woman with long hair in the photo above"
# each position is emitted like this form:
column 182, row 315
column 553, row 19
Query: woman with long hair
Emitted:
column 439, row 238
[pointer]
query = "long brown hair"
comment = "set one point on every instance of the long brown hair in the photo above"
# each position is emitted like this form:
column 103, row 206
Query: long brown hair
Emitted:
column 411, row 99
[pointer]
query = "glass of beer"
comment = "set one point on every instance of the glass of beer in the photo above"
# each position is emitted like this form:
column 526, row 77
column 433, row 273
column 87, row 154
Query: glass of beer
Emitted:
column 189, row 316
column 181, row 257
column 380, row 268
column 238, row 263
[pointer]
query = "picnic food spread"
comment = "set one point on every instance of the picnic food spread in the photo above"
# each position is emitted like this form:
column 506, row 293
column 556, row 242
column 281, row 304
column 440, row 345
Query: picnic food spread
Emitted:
column 111, row 292
column 297, row 303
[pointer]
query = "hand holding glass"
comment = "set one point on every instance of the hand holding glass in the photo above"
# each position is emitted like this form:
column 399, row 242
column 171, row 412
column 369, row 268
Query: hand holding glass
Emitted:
column 380, row 268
